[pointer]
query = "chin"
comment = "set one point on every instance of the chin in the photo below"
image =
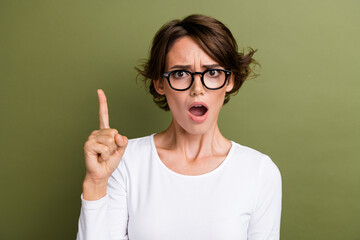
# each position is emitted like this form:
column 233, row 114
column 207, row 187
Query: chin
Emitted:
column 197, row 129
column 190, row 125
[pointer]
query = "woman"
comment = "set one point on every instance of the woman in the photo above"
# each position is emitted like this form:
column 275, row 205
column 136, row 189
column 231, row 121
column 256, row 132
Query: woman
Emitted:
column 189, row 181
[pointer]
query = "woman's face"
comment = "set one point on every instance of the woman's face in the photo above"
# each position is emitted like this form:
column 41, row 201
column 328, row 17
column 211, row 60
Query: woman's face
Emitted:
column 185, row 54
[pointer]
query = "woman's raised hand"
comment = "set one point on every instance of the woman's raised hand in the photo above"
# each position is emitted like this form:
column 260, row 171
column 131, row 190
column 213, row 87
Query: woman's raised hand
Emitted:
column 103, row 151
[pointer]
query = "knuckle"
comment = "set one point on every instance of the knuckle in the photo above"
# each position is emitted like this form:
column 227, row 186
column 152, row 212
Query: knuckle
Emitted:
column 101, row 131
column 106, row 132
column 109, row 140
column 114, row 132
column 87, row 145
column 91, row 137
column 106, row 149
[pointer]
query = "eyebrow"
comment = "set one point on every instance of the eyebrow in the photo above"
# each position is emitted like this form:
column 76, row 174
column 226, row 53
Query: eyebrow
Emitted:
column 189, row 66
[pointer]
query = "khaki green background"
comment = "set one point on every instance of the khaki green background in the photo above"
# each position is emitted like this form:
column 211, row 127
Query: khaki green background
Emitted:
column 303, row 110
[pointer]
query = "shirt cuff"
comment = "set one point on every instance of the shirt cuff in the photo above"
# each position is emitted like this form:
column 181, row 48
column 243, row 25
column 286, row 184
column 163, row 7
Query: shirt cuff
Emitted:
column 94, row 204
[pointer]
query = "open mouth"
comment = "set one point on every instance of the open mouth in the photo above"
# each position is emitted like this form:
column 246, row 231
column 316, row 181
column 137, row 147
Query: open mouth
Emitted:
column 198, row 110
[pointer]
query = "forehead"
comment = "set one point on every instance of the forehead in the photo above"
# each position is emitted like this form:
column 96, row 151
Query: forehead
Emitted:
column 185, row 51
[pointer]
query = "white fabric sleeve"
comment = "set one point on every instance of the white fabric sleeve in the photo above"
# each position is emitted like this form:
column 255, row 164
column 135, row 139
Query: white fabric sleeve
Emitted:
column 106, row 218
column 265, row 218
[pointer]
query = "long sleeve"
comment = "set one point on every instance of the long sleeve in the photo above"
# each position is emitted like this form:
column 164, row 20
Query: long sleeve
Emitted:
column 106, row 218
column 240, row 199
column 265, row 218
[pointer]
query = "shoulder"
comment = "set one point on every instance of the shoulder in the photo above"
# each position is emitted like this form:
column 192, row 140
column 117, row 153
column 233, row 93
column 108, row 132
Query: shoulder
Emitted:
column 141, row 142
column 135, row 160
column 138, row 149
column 254, row 160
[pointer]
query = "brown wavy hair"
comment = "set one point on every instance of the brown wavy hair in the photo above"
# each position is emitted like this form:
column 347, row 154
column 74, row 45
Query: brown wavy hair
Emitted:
column 212, row 36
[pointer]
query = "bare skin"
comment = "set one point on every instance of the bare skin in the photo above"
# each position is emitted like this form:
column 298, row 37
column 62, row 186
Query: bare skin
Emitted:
column 103, row 151
column 188, row 147
column 191, row 155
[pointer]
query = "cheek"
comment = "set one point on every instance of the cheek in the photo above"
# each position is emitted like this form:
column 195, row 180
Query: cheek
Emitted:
column 175, row 101
column 219, row 100
column 217, row 103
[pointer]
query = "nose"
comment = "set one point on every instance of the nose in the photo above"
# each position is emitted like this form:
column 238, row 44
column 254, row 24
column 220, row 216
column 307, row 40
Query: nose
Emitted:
column 197, row 87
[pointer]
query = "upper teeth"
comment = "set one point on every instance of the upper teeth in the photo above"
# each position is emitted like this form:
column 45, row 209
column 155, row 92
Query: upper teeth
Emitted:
column 198, row 106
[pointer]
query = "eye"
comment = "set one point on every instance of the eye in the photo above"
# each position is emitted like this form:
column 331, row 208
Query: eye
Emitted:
column 180, row 74
column 213, row 73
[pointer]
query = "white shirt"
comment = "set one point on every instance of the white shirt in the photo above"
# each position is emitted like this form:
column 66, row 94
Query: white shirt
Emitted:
column 239, row 200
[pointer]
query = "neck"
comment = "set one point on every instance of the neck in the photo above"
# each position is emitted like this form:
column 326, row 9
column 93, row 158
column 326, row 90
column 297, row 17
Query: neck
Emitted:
column 193, row 147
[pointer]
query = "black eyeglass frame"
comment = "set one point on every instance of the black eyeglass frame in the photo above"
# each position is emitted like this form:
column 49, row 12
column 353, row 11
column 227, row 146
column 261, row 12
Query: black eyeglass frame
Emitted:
column 227, row 74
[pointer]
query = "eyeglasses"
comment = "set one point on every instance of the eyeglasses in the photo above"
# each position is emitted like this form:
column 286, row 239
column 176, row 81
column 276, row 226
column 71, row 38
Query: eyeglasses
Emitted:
column 181, row 80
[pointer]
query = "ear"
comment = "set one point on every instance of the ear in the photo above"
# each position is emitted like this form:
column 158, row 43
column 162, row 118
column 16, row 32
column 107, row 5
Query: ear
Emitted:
column 159, row 86
column 230, row 83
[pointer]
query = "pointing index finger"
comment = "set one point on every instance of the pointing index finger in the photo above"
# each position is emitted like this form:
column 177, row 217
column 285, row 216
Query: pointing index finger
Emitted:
column 103, row 110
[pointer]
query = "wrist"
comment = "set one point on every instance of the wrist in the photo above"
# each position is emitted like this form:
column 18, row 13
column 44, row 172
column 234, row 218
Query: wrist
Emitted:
column 96, row 182
column 94, row 189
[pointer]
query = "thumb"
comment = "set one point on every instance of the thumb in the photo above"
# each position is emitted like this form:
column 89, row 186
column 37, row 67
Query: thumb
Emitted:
column 121, row 141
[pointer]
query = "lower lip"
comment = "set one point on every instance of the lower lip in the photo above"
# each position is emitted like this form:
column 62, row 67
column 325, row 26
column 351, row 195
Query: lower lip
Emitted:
column 198, row 119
